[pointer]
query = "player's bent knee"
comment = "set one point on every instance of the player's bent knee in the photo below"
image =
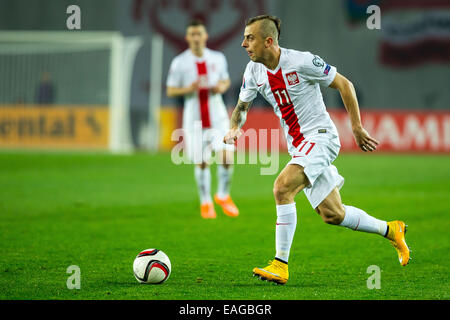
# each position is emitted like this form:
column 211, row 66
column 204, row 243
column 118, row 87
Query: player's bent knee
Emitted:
column 282, row 192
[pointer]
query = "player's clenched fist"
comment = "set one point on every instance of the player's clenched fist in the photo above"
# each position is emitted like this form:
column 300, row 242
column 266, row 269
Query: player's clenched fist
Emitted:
column 232, row 135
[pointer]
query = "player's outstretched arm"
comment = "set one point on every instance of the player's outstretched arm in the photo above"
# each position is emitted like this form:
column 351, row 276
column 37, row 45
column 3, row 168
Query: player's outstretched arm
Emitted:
column 238, row 119
column 348, row 95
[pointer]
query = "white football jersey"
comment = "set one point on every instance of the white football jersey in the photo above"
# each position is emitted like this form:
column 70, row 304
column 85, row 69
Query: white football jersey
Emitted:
column 293, row 89
column 201, row 105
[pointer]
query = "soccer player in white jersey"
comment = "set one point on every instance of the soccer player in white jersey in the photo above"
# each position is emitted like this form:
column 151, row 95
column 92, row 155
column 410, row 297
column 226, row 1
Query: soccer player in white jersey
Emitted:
column 200, row 75
column 289, row 80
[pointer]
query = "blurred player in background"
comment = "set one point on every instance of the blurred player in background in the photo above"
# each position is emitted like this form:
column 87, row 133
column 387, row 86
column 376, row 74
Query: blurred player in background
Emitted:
column 200, row 75
column 290, row 81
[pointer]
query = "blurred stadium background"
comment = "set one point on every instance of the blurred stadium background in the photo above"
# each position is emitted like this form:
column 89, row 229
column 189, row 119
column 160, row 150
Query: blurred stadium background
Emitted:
column 97, row 88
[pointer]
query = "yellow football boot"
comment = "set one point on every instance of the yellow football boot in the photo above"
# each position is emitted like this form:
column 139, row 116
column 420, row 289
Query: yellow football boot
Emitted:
column 276, row 271
column 396, row 234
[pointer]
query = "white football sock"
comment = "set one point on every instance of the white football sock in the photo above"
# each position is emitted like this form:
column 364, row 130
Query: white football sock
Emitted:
column 358, row 220
column 285, row 229
column 224, row 180
column 203, row 178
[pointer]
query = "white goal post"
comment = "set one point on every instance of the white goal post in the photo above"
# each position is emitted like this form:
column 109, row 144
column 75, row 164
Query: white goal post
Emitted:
column 154, row 101
column 88, row 69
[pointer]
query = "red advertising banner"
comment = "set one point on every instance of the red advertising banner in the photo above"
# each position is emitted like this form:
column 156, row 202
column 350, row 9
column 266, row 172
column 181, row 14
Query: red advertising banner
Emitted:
column 397, row 131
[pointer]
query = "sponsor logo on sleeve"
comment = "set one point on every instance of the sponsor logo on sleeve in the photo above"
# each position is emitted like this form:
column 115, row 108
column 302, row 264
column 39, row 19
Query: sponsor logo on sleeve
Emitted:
column 327, row 69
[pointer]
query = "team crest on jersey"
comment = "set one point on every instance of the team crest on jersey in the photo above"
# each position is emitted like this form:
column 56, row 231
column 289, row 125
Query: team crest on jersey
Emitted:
column 292, row 78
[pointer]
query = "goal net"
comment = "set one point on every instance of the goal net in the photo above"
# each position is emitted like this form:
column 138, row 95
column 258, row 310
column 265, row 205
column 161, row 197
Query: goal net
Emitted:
column 66, row 89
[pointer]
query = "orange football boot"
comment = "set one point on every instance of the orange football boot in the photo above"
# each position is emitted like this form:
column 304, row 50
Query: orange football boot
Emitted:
column 228, row 206
column 207, row 210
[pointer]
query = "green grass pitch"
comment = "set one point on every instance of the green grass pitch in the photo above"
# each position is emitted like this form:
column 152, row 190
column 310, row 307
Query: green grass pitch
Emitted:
column 97, row 211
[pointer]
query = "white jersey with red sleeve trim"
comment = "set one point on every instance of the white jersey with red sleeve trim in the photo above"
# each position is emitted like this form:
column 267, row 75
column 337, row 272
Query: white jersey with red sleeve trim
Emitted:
column 203, row 105
column 293, row 89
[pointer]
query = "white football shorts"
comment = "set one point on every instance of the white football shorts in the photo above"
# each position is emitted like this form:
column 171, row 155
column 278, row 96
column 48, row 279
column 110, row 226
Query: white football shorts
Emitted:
column 316, row 154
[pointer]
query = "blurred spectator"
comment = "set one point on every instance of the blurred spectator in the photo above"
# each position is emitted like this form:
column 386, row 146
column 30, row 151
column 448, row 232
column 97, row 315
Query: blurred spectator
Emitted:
column 45, row 93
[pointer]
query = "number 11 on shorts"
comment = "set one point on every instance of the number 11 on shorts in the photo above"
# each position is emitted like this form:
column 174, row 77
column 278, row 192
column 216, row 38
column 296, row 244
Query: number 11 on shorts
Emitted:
column 307, row 150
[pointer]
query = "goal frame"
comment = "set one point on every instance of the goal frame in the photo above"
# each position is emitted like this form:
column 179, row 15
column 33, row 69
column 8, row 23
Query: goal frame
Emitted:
column 123, row 52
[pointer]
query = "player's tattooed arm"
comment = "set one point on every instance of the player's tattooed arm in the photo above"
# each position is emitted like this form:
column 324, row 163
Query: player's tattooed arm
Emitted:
column 238, row 119
column 239, row 115
column 348, row 95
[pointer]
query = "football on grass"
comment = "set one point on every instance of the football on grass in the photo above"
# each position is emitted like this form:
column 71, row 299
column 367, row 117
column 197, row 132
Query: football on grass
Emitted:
column 152, row 266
